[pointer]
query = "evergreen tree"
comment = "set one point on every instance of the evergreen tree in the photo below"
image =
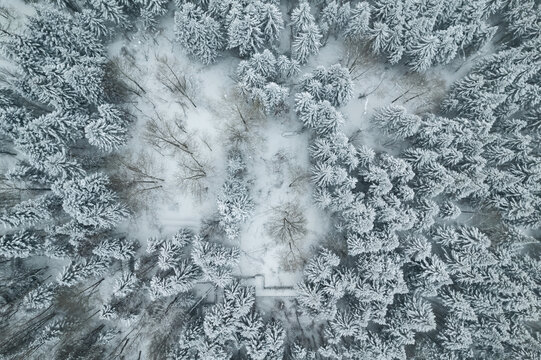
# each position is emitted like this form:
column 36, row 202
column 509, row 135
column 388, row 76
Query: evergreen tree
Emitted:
column 40, row 297
column 115, row 248
column 110, row 10
column 91, row 20
column 198, row 32
column 320, row 116
column 20, row 244
column 234, row 203
column 245, row 34
column 423, row 51
column 358, row 26
column 91, row 202
column 181, row 279
column 81, row 270
column 108, row 132
column 333, row 84
column 306, row 34
column 395, row 121
column 287, row 68
column 271, row 21
column 215, row 261
column 399, row 29
column 28, row 213
column 334, row 17
column 306, row 43
column 51, row 38
column 125, row 285
column 273, row 97
column 301, row 17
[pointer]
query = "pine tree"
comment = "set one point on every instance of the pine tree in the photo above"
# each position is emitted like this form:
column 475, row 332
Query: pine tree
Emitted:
column 81, row 270
column 321, row 267
column 182, row 279
column 449, row 210
column 263, row 63
column 28, row 213
column 450, row 40
column 12, row 118
column 104, row 135
column 125, row 285
column 395, row 121
column 52, row 38
column 52, row 331
column 333, row 84
column 108, row 132
column 423, row 52
column 315, row 302
column 379, row 36
column 223, row 320
column 320, row 116
column 245, row 34
column 522, row 19
column 271, row 21
column 306, row 43
column 302, row 18
column 198, row 32
column 45, row 141
column 41, row 297
column 89, row 201
column 273, row 97
column 116, row 248
column 328, row 21
column 358, row 25
column 287, row 68
column 110, row 10
column 91, row 20
column 154, row 7
column 215, row 261
column 306, row 34
column 234, row 203
column 20, row 244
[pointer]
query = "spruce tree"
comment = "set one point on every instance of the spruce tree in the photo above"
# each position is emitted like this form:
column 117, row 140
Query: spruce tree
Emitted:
column 198, row 33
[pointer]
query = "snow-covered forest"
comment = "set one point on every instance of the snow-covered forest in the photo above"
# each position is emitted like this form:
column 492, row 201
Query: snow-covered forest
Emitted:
column 270, row 179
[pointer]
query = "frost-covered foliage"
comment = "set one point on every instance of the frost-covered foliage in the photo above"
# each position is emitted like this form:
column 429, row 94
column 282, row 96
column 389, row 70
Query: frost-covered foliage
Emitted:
column 260, row 79
column 90, row 202
column 229, row 326
column 103, row 16
column 432, row 250
column 486, row 161
column 333, row 84
column 422, row 33
column 55, row 113
column 206, row 27
column 216, row 261
column 306, row 33
column 198, row 33
column 176, row 272
column 235, row 204
column 391, row 279
column 108, row 131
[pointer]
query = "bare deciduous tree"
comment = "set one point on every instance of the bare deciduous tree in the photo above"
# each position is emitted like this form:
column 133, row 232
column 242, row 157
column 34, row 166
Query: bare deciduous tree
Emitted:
column 170, row 135
column 136, row 177
column 193, row 176
column 176, row 83
column 173, row 137
column 287, row 225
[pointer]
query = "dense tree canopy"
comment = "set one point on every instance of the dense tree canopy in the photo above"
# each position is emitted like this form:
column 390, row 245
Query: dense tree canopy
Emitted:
column 414, row 229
